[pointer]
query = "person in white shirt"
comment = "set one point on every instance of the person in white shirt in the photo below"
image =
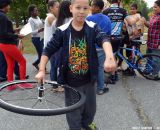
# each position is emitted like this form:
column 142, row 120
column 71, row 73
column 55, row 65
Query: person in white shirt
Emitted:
column 37, row 32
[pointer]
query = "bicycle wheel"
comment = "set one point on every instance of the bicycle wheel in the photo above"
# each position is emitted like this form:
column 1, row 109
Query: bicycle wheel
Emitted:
column 149, row 66
column 39, row 100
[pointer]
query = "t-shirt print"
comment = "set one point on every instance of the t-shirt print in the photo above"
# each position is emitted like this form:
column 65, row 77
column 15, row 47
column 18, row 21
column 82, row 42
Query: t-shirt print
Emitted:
column 78, row 63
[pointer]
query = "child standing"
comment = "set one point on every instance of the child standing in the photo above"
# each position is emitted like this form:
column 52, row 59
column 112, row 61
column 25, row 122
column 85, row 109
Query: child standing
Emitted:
column 37, row 35
column 80, row 63
column 105, row 24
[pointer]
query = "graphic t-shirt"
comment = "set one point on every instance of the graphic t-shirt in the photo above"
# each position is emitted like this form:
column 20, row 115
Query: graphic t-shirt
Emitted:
column 78, row 70
column 117, row 16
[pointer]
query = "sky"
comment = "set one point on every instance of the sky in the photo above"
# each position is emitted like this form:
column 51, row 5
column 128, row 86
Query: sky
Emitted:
column 150, row 3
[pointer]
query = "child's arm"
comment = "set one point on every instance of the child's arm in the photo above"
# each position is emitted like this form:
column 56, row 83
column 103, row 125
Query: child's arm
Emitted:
column 109, row 64
column 52, row 46
column 104, row 40
column 41, row 74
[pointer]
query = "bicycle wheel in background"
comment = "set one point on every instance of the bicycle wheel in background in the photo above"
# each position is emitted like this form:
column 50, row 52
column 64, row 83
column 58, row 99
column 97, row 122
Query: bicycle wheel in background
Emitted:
column 149, row 66
column 39, row 100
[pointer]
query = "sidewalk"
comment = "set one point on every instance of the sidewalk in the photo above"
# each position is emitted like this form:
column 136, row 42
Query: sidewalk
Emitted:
column 131, row 104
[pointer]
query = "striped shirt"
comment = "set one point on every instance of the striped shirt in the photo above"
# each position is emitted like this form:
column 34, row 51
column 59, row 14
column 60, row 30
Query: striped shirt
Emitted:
column 154, row 32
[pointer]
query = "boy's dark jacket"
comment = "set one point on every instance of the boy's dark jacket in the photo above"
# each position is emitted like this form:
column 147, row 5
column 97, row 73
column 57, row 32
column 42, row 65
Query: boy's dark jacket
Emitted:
column 62, row 38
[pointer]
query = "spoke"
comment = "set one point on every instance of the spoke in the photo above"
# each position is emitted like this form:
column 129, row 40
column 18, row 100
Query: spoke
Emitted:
column 53, row 103
column 46, row 103
column 35, row 103
column 30, row 91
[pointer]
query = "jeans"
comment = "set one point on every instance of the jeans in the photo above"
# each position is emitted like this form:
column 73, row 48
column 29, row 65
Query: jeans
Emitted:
column 38, row 44
column 53, row 71
column 157, row 52
column 100, row 80
column 3, row 66
column 84, row 116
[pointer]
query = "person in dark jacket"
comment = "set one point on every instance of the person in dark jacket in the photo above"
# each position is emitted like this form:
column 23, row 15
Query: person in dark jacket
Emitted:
column 8, row 45
column 78, row 39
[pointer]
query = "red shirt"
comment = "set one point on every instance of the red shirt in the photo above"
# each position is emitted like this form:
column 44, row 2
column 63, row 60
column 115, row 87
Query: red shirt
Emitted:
column 154, row 32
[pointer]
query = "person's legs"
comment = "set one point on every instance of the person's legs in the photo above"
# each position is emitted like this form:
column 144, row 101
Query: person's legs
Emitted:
column 10, row 66
column 157, row 52
column 53, row 71
column 38, row 44
column 100, row 81
column 89, row 106
column 84, row 116
column 73, row 118
column 12, row 54
column 3, row 67
column 16, row 69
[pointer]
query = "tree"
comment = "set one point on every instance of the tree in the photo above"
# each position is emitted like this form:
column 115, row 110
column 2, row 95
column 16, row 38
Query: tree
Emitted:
column 19, row 10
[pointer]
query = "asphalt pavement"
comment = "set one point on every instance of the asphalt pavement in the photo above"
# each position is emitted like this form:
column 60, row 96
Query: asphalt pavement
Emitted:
column 132, row 104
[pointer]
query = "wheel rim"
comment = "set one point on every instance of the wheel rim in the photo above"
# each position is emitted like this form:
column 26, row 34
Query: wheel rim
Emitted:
column 51, row 109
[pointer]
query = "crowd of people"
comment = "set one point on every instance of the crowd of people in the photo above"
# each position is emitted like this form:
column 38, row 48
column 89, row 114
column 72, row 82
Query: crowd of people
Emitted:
column 80, row 41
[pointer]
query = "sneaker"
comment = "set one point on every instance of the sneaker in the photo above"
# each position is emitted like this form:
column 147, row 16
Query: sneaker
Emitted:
column 12, row 87
column 26, row 86
column 101, row 92
column 110, row 80
column 57, row 89
column 92, row 126
column 36, row 66
column 129, row 72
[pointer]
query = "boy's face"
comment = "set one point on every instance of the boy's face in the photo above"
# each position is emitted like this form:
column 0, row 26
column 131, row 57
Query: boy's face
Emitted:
column 79, row 10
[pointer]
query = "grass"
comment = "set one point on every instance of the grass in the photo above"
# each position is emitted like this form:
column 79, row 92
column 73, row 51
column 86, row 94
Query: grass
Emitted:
column 30, row 49
column 28, row 46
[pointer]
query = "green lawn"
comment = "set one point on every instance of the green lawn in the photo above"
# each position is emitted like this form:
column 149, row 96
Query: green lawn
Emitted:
column 28, row 46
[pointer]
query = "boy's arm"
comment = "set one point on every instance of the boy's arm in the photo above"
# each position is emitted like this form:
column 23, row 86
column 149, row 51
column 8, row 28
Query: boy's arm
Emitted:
column 104, row 40
column 109, row 64
column 52, row 46
column 41, row 74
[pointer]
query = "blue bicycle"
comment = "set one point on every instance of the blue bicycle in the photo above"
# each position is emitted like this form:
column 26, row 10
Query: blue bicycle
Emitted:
column 148, row 65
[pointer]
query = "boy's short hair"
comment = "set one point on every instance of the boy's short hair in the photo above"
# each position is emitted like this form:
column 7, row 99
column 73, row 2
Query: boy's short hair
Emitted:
column 73, row 1
column 98, row 3
column 31, row 8
column 157, row 2
column 4, row 3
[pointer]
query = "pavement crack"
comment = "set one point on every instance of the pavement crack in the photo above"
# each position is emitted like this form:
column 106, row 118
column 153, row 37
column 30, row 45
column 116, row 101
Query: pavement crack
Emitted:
column 143, row 117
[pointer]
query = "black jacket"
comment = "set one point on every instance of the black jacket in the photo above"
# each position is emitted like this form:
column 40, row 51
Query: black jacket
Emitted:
column 7, row 34
column 62, row 38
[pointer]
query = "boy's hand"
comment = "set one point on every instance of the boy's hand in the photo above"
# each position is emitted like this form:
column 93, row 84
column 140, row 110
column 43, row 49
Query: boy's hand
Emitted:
column 110, row 64
column 40, row 77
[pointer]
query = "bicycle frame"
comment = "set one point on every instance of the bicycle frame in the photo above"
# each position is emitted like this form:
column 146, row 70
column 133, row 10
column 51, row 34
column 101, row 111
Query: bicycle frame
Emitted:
column 135, row 53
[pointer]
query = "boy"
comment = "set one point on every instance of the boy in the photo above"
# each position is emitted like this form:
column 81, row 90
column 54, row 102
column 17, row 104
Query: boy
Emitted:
column 79, row 69
column 105, row 24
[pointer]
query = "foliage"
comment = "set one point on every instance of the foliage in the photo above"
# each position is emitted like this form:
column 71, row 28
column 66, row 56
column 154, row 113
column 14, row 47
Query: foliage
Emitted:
column 19, row 10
